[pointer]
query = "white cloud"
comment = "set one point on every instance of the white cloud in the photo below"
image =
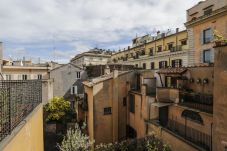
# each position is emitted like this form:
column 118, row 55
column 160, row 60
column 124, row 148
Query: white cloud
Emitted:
column 82, row 24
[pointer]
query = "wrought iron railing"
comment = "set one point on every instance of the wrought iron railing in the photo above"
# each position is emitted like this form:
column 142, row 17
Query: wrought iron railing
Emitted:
column 18, row 98
column 199, row 101
column 190, row 134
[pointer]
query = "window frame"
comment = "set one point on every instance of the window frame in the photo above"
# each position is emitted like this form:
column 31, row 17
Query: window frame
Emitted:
column 78, row 75
column 107, row 111
column 204, row 55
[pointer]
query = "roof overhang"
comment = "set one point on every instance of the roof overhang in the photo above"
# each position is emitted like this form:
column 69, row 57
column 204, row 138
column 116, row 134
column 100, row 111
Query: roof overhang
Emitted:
column 178, row 71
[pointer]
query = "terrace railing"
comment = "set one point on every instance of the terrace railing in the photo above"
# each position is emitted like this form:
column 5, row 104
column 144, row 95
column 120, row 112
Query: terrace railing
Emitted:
column 199, row 101
column 17, row 100
column 190, row 134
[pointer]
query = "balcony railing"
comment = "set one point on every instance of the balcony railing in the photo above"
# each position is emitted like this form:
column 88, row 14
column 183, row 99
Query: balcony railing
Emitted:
column 176, row 48
column 192, row 135
column 17, row 100
column 199, row 101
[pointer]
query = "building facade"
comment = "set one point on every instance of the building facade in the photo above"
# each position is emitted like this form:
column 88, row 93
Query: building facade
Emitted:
column 203, row 20
column 92, row 57
column 164, row 50
column 67, row 82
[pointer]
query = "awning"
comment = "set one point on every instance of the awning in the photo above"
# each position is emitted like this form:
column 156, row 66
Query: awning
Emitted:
column 172, row 71
column 160, row 104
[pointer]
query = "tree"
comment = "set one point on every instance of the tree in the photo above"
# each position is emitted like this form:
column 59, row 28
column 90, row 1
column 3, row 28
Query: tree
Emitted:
column 57, row 108
column 75, row 140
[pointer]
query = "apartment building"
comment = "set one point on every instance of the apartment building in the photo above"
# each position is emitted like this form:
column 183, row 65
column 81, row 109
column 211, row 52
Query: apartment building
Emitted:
column 67, row 82
column 202, row 20
column 164, row 50
column 24, row 70
column 92, row 57
column 105, row 106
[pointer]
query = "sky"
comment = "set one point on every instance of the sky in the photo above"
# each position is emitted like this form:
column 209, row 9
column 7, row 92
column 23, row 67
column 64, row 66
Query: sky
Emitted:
column 57, row 30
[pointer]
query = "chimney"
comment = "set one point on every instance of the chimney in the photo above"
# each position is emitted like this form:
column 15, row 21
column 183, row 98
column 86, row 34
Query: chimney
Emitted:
column 158, row 32
column 128, row 47
column 1, row 56
column 177, row 30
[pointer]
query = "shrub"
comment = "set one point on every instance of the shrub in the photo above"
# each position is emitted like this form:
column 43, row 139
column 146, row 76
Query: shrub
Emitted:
column 75, row 140
column 57, row 109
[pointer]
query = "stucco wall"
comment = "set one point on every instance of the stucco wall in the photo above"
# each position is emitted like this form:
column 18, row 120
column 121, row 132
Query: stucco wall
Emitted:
column 174, row 142
column 28, row 136
column 64, row 78
column 220, row 97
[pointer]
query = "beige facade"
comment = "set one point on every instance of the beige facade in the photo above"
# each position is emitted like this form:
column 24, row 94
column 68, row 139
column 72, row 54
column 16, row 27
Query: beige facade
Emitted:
column 202, row 21
column 28, row 136
column 92, row 57
column 164, row 48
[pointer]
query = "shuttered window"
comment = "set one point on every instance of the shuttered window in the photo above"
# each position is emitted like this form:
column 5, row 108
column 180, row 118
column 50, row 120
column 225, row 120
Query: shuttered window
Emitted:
column 177, row 63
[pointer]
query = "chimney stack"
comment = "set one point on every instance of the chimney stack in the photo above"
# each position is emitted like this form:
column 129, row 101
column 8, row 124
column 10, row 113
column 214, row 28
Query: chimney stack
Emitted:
column 177, row 30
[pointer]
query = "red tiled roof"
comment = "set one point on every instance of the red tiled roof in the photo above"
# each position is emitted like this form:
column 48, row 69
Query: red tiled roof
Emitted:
column 172, row 70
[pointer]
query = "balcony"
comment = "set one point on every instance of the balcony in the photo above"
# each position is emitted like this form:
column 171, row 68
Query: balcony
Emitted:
column 191, row 136
column 199, row 101
column 176, row 48
column 18, row 99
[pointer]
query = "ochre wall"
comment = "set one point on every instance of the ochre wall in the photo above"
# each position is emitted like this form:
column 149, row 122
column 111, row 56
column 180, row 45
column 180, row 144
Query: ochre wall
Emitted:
column 30, row 136
column 174, row 143
column 220, row 98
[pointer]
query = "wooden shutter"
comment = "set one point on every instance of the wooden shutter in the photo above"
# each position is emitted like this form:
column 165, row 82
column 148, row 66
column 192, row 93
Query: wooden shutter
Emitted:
column 180, row 62
column 173, row 63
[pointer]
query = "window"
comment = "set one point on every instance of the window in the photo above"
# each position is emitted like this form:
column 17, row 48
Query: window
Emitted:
column 74, row 90
column 78, row 75
column 124, row 101
column 24, row 77
column 170, row 46
column 207, row 36
column 132, row 103
column 208, row 11
column 159, row 48
column 207, row 56
column 176, row 63
column 144, row 65
column 152, row 65
column 8, row 77
column 39, row 76
column 183, row 42
column 142, row 52
column 162, row 64
column 136, row 65
column 107, row 111
column 151, row 51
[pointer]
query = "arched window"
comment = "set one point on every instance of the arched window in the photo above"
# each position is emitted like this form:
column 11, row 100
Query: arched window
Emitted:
column 192, row 115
